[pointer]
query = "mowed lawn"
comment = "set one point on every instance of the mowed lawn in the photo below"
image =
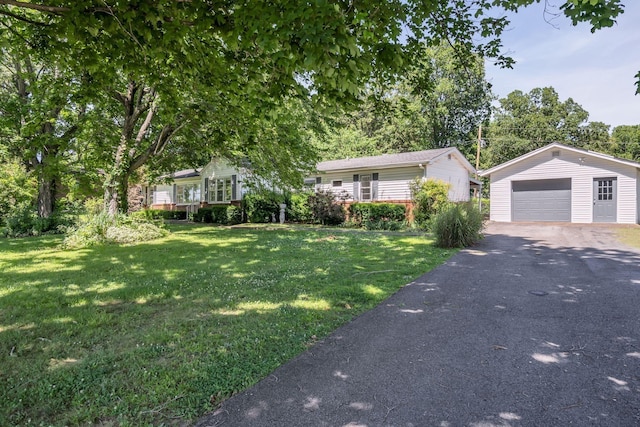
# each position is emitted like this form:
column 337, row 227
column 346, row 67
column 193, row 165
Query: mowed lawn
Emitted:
column 161, row 332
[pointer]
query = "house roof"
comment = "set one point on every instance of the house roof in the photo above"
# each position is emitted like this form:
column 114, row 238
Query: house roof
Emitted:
column 556, row 145
column 413, row 158
column 186, row 173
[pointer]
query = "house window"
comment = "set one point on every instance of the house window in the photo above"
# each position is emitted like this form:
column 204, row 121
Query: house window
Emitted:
column 605, row 189
column 220, row 190
column 187, row 193
column 336, row 183
column 365, row 187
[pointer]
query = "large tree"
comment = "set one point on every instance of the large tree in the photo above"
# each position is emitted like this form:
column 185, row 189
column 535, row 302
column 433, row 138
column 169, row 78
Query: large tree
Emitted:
column 438, row 104
column 527, row 121
column 40, row 114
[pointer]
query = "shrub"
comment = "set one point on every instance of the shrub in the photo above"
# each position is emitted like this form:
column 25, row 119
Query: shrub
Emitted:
column 429, row 198
column 155, row 214
column 325, row 209
column 219, row 214
column 262, row 206
column 103, row 228
column 234, row 215
column 459, row 225
column 298, row 208
column 20, row 220
column 378, row 216
column 23, row 220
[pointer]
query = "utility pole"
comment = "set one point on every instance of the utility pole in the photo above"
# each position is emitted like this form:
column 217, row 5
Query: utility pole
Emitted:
column 475, row 190
column 478, row 150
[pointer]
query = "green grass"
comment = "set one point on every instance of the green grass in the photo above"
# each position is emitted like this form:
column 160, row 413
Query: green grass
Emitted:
column 161, row 332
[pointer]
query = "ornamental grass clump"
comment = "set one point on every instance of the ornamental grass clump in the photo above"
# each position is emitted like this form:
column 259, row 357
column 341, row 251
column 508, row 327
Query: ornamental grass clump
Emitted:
column 458, row 225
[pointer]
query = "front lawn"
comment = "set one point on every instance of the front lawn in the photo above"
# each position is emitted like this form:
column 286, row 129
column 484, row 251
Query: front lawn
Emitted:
column 629, row 236
column 161, row 332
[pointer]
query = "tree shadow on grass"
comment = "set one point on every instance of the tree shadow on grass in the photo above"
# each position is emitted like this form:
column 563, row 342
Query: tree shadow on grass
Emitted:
column 206, row 311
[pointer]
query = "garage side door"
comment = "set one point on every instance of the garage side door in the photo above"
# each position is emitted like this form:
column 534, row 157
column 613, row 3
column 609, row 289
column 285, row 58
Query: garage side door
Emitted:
column 541, row 200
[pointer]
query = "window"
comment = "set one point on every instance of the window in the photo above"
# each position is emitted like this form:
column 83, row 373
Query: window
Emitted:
column 605, row 189
column 220, row 190
column 187, row 193
column 365, row 187
column 336, row 183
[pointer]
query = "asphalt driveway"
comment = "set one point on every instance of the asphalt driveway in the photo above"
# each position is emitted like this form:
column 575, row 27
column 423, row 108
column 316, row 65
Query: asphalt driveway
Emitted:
column 537, row 325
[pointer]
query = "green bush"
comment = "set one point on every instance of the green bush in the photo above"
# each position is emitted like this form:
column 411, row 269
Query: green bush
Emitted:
column 155, row 214
column 325, row 209
column 234, row 215
column 378, row 216
column 458, row 225
column 103, row 228
column 429, row 198
column 22, row 220
column 298, row 209
column 262, row 206
column 219, row 214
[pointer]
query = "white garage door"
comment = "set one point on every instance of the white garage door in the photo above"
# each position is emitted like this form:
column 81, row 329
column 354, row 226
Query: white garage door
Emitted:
column 541, row 200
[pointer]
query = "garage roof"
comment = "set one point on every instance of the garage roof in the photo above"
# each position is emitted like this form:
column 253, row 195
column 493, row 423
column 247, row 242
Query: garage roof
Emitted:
column 557, row 145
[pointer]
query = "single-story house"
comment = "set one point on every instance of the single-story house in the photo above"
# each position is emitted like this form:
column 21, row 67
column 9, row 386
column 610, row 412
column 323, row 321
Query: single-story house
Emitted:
column 217, row 183
column 387, row 178
column 565, row 184
column 383, row 178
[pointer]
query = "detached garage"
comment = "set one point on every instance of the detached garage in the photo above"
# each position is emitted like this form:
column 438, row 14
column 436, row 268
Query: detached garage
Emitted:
column 565, row 184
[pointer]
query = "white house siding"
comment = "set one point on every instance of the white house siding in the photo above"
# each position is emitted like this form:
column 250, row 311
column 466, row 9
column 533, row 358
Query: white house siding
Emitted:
column 219, row 168
column 393, row 183
column 162, row 195
column 449, row 169
column 567, row 165
column 638, row 197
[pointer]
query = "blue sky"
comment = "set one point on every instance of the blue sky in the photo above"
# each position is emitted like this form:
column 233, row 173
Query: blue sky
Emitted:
column 596, row 70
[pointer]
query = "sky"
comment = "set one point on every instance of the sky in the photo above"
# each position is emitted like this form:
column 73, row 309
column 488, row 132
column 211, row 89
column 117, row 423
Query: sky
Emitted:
column 595, row 70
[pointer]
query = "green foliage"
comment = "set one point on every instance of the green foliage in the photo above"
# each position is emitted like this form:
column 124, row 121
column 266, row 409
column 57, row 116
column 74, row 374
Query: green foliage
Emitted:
column 23, row 220
column 325, row 208
column 377, row 216
column 437, row 104
column 262, row 206
column 429, row 198
column 234, row 215
column 298, row 209
column 17, row 188
column 219, row 214
column 155, row 214
column 458, row 225
column 103, row 228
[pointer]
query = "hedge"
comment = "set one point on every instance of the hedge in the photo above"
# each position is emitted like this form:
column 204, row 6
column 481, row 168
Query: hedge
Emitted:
column 220, row 214
column 363, row 213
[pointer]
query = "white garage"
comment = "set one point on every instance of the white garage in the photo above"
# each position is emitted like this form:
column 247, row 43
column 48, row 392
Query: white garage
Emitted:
column 565, row 184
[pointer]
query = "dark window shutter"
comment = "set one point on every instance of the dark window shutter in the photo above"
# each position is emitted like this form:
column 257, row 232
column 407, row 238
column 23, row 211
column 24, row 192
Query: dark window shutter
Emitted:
column 374, row 186
column 356, row 187
column 206, row 189
column 175, row 193
column 234, row 187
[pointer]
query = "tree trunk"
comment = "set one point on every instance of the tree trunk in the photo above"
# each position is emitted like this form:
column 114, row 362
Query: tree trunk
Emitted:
column 46, row 195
